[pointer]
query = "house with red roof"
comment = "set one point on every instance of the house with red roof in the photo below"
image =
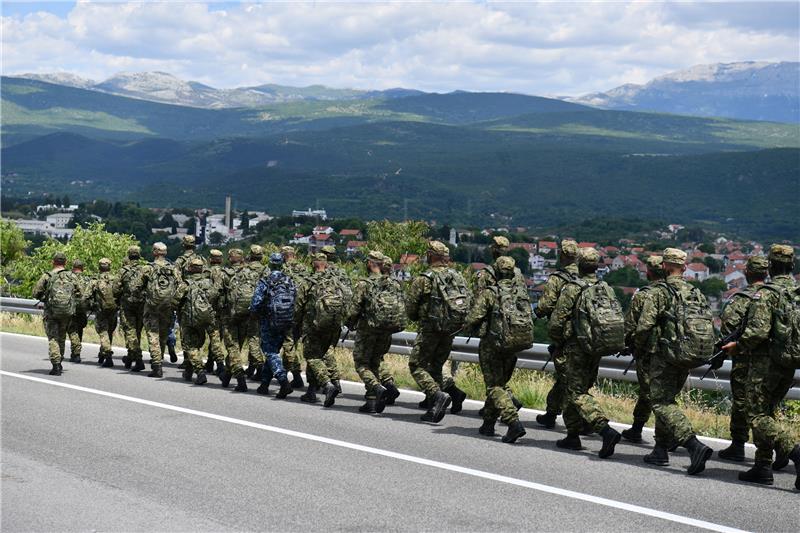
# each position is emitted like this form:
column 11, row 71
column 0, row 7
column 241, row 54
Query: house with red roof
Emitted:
column 696, row 272
column 351, row 234
column 547, row 248
column 354, row 246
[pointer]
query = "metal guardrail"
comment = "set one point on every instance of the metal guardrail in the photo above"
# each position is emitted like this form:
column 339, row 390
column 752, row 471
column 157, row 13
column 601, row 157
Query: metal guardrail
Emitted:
column 466, row 350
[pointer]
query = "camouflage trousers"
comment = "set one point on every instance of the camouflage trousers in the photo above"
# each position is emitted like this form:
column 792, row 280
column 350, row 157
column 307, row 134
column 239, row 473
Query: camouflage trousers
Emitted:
column 157, row 323
column 292, row 351
column 740, row 427
column 320, row 361
column 368, row 351
column 666, row 382
column 644, row 406
column 239, row 331
column 255, row 356
column 192, row 340
column 767, row 385
column 75, row 332
column 579, row 405
column 105, row 322
column 216, row 348
column 426, row 362
column 497, row 367
column 56, row 331
column 557, row 394
column 132, row 323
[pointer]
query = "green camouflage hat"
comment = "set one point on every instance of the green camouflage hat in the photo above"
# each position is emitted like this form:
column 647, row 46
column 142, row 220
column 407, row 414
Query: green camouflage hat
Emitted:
column 215, row 253
column 159, row 248
column 757, row 264
column 500, row 243
column 781, row 253
column 674, row 256
column 654, row 262
column 375, row 256
column 588, row 256
column 105, row 261
column 134, row 251
column 569, row 248
column 321, row 257
column 256, row 251
column 505, row 264
column 196, row 264
column 235, row 252
column 438, row 248
column 328, row 249
column 59, row 257
column 288, row 250
column 77, row 263
column 387, row 261
column 188, row 241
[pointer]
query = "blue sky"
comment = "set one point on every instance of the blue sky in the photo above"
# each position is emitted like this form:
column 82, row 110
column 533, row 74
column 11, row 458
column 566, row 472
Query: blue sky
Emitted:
column 551, row 48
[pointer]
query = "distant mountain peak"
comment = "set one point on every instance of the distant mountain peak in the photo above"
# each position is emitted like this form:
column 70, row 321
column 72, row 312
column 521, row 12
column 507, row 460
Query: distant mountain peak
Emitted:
column 61, row 78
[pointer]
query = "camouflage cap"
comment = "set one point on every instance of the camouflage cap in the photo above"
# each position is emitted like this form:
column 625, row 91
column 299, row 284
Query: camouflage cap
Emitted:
column 188, row 240
column 60, row 257
column 569, row 248
column 288, row 250
column 196, row 263
column 328, row 249
column 499, row 242
column 505, row 264
column 757, row 264
column 215, row 253
column 159, row 247
column 387, row 261
column 321, row 257
column 256, row 250
column 438, row 248
column 105, row 261
column 674, row 256
column 77, row 263
column 588, row 256
column 275, row 259
column 235, row 252
column 654, row 262
column 781, row 253
column 134, row 251
column 376, row 256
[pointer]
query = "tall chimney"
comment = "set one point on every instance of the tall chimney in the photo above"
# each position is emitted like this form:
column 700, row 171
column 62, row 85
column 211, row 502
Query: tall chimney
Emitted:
column 228, row 218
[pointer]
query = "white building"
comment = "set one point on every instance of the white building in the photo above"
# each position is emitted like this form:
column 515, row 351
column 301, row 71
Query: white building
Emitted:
column 53, row 207
column 60, row 220
column 320, row 213
column 42, row 227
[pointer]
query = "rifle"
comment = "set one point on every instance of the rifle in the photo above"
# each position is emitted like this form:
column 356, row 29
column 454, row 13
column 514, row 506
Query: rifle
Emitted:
column 720, row 355
column 633, row 360
column 344, row 337
column 551, row 349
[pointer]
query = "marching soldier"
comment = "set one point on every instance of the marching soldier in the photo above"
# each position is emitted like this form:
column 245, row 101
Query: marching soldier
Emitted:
column 105, row 306
column 129, row 289
column 81, row 317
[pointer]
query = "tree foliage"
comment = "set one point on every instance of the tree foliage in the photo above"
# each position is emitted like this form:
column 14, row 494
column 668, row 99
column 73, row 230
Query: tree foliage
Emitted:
column 624, row 277
column 397, row 238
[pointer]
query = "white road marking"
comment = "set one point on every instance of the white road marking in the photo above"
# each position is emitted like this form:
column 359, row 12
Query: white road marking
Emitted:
column 394, row 455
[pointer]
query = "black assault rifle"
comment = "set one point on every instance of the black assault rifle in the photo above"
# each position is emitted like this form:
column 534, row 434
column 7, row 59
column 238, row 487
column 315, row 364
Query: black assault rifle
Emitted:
column 551, row 349
column 720, row 355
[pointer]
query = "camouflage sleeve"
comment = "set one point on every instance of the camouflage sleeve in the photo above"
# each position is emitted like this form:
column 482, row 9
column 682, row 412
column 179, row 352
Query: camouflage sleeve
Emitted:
column 759, row 324
column 420, row 288
column 40, row 289
column 357, row 303
column 117, row 285
column 180, row 294
column 733, row 314
column 547, row 302
column 480, row 310
column 632, row 316
column 301, row 301
column 562, row 313
column 652, row 309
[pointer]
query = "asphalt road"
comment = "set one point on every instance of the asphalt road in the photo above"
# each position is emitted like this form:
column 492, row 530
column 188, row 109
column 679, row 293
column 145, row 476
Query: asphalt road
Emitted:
column 107, row 450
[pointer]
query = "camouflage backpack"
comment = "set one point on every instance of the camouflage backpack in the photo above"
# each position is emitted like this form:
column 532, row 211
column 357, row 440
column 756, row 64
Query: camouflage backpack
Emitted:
column 597, row 319
column 511, row 324
column 281, row 294
column 784, row 342
column 331, row 298
column 83, row 282
column 198, row 309
column 61, row 301
column 450, row 300
column 687, row 335
column 386, row 308
column 132, row 280
column 103, row 293
column 161, row 287
column 242, row 286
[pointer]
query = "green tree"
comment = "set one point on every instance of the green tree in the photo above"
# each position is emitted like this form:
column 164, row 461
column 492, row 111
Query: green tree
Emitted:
column 12, row 242
column 522, row 259
column 707, row 248
column 397, row 238
column 245, row 222
column 87, row 244
column 624, row 277
column 216, row 238
column 711, row 286
column 714, row 265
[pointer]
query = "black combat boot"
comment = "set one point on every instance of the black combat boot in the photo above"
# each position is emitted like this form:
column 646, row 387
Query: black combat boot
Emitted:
column 108, row 362
column 209, row 368
column 101, row 358
column 75, row 359
column 571, row 442
column 225, row 378
column 331, row 392
column 368, row 407
column 241, row 383
column 658, row 457
column 56, row 370
column 781, row 460
column 127, row 361
column 392, row 393
column 611, row 438
column 517, row 404
column 699, row 453
column 380, row 398
column 220, row 368
column 184, row 364
column 285, row 390
column 338, row 385
column 760, row 473
column 482, row 411
column 138, row 366
column 263, row 389
column 173, row 357
column 734, row 452
column 187, row 373
column 487, row 429
column 587, row 429
column 439, row 404
column 795, row 457
column 311, row 395
column 547, row 420
column 297, row 380
column 258, row 373
column 156, row 372
column 425, row 403
column 515, row 431
column 251, row 369
column 457, row 396
column 201, row 378
column 633, row 433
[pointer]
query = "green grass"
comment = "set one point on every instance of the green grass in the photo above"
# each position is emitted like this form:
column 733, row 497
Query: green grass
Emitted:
column 63, row 117
column 707, row 411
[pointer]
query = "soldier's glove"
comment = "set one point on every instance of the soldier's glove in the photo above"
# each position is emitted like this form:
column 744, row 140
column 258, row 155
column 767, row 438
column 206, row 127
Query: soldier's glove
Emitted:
column 551, row 349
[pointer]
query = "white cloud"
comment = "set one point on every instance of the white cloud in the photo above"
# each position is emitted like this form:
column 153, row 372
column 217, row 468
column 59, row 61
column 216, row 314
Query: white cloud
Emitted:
column 540, row 48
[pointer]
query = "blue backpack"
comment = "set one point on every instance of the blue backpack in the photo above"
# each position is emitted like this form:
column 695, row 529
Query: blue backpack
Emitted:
column 279, row 296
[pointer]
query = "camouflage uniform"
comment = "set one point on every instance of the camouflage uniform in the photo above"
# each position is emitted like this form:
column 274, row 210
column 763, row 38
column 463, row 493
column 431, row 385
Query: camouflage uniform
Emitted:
column 255, row 354
column 547, row 303
column 292, row 349
column 216, row 334
column 316, row 342
column 131, row 298
column 193, row 336
column 767, row 382
column 81, row 317
column 643, row 354
column 54, row 328
column 157, row 322
column 105, row 322
column 238, row 329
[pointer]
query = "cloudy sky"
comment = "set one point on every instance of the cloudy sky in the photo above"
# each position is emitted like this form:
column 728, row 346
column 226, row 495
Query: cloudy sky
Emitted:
column 551, row 48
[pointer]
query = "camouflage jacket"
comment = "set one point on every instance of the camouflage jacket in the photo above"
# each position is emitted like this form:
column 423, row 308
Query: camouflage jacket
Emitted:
column 756, row 335
column 560, row 326
column 634, row 313
column 110, row 278
column 128, row 273
column 303, row 302
column 84, row 283
column 193, row 278
column 735, row 309
column 654, row 310
column 487, row 277
column 481, row 311
column 419, row 295
column 182, row 261
column 226, row 277
column 42, row 287
column 358, row 304
column 147, row 272
column 552, row 290
column 297, row 271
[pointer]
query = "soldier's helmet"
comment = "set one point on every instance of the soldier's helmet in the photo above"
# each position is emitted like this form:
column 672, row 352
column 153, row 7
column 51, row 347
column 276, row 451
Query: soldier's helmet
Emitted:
column 134, row 252
column 188, row 241
column 781, row 253
column 328, row 250
column 159, row 248
column 60, row 258
column 215, row 255
column 438, row 248
column 256, row 251
column 588, row 257
column 499, row 243
column 674, row 256
column 77, row 263
column 505, row 266
column 569, row 248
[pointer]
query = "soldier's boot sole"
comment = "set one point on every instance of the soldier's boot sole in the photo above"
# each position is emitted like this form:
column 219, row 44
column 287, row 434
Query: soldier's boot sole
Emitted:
column 380, row 398
column 241, row 384
column 138, row 366
column 309, row 397
column 547, row 420
column 760, row 474
column 108, row 362
column 75, row 359
column 331, row 392
column 515, row 431
column 699, row 456
column 611, row 438
column 101, row 359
